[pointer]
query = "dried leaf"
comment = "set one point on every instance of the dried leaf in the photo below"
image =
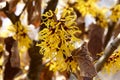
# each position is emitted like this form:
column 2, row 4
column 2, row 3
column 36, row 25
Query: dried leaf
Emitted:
column 84, row 62
column 81, row 25
column 12, row 48
column 25, row 1
column 34, row 10
column 15, row 58
column 10, row 71
column 46, row 72
column 12, row 5
column 6, row 12
column 95, row 44
column 0, row 22
column 1, row 0
column 117, row 30
column 2, row 14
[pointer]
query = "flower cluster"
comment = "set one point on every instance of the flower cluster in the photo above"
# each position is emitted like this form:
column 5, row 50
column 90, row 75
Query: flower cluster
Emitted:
column 86, row 7
column 113, row 63
column 90, row 7
column 58, row 38
column 101, row 20
column 20, row 35
column 115, row 13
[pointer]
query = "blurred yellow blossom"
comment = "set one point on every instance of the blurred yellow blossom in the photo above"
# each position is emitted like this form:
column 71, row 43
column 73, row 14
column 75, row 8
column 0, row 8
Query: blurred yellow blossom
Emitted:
column 87, row 7
column 115, row 13
column 101, row 20
column 90, row 7
column 57, row 39
column 20, row 34
column 113, row 63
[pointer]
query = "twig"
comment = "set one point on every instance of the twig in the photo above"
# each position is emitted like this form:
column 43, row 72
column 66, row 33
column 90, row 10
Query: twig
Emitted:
column 26, row 4
column 11, row 15
column 107, row 52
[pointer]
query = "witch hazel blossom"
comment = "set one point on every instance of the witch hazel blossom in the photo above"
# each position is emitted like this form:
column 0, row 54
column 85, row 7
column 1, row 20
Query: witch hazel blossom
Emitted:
column 58, row 38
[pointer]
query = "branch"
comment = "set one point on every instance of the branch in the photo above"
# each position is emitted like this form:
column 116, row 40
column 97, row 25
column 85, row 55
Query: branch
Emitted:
column 11, row 15
column 51, row 5
column 109, row 33
column 34, row 12
column 12, row 66
column 26, row 4
column 108, row 51
column 35, row 62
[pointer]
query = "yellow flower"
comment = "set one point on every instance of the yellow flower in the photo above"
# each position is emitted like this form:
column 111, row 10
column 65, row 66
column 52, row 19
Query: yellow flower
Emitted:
column 101, row 20
column 57, row 38
column 113, row 63
column 90, row 7
column 115, row 13
column 86, row 7
column 21, row 35
column 62, row 64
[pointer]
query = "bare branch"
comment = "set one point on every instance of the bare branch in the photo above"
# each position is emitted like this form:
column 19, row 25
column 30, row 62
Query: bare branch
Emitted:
column 26, row 4
column 108, row 51
column 34, row 12
column 12, row 5
column 10, row 15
